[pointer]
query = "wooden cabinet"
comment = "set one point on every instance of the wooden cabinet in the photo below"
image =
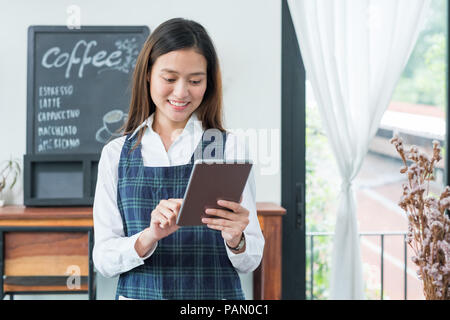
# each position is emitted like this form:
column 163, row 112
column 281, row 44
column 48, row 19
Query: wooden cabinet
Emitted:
column 43, row 249
column 46, row 250
column 267, row 277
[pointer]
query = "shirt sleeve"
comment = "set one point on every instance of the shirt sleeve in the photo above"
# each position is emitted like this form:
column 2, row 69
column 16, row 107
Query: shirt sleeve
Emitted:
column 250, row 259
column 113, row 253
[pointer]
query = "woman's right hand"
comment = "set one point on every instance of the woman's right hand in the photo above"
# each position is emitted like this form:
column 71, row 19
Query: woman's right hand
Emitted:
column 164, row 217
column 162, row 223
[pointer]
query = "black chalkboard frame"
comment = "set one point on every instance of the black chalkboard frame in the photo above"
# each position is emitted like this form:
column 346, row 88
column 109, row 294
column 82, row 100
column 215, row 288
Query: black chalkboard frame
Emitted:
column 32, row 158
column 88, row 164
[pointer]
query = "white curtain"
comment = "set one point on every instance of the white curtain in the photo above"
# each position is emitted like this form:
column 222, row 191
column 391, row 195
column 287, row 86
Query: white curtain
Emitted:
column 354, row 52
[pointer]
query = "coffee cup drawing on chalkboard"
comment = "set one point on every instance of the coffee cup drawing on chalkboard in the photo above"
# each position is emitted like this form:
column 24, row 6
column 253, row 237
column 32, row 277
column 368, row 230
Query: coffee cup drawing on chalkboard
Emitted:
column 112, row 122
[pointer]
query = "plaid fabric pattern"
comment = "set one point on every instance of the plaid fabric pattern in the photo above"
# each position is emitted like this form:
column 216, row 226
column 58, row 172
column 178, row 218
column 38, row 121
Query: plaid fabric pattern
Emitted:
column 192, row 263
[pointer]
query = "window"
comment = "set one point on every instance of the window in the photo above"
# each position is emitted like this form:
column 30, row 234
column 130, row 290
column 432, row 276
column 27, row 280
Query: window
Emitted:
column 418, row 113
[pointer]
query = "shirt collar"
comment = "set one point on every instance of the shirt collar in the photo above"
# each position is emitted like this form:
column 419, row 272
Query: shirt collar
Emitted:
column 194, row 124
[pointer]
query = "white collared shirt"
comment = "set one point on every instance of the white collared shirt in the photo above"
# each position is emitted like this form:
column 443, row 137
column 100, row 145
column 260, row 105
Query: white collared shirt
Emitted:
column 114, row 253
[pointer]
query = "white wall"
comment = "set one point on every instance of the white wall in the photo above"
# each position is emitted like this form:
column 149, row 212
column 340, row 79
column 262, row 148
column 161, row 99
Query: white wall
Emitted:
column 247, row 36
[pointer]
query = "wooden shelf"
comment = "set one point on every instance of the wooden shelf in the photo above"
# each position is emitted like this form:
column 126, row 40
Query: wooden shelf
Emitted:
column 31, row 213
column 42, row 283
column 46, row 217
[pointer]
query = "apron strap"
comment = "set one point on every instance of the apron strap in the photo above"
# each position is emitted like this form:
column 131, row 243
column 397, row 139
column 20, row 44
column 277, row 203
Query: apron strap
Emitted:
column 211, row 146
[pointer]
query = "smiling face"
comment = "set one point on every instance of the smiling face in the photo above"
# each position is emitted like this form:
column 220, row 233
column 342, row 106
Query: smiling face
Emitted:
column 177, row 86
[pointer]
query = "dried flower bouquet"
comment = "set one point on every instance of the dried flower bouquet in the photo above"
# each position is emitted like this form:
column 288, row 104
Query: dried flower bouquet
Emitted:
column 428, row 222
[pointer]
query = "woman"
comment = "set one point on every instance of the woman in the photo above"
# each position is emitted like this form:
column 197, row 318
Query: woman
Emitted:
column 176, row 98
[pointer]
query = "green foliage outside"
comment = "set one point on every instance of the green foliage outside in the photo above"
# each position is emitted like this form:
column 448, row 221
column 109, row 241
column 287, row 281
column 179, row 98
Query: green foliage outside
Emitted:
column 321, row 197
column 424, row 78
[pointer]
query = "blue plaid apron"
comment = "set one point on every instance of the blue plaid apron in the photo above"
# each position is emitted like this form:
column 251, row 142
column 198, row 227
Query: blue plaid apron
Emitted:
column 192, row 263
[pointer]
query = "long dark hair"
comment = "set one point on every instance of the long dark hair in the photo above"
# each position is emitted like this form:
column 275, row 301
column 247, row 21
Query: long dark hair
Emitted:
column 175, row 34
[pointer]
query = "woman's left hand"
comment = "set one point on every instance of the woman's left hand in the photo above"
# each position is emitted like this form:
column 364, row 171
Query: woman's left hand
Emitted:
column 232, row 224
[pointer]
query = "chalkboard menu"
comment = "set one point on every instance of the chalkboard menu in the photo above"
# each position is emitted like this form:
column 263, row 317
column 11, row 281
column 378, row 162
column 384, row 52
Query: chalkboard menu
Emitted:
column 78, row 92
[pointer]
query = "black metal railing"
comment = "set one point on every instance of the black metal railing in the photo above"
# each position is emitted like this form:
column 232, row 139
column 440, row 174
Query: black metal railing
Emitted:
column 382, row 235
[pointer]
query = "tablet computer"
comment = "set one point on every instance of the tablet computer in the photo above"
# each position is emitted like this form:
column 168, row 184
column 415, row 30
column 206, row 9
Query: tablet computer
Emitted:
column 210, row 181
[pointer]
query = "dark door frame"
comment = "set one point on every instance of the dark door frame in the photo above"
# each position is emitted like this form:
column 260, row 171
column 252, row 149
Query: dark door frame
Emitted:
column 292, row 160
